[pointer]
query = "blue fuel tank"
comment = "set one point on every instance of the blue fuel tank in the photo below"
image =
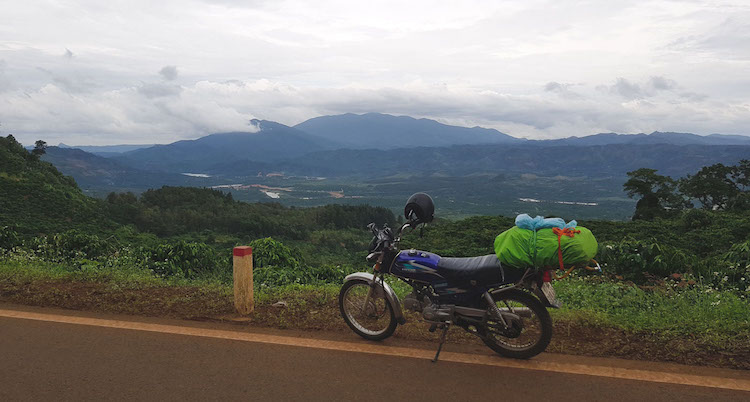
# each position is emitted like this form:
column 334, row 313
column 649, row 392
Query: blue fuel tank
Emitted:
column 417, row 265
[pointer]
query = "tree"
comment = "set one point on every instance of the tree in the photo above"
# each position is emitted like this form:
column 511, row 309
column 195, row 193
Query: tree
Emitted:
column 40, row 148
column 741, row 174
column 713, row 186
column 658, row 194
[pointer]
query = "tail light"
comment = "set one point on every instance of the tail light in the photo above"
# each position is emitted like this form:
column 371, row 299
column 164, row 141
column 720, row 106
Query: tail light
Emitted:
column 547, row 276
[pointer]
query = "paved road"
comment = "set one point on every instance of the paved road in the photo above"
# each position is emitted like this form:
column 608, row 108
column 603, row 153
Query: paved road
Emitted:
column 58, row 361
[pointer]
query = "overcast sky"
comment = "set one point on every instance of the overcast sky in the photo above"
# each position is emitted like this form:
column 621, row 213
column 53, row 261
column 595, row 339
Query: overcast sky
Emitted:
column 111, row 72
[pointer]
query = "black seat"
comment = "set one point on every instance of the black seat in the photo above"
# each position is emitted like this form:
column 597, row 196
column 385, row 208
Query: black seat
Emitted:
column 485, row 270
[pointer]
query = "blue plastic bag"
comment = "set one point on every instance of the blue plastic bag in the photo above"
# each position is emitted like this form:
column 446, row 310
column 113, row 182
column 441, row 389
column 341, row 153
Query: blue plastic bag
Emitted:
column 524, row 221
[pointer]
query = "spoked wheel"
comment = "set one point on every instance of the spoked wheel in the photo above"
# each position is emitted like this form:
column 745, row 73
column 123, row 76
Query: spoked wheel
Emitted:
column 529, row 325
column 366, row 310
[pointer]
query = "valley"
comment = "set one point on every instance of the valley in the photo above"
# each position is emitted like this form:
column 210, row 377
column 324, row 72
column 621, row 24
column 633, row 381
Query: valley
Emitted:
column 380, row 159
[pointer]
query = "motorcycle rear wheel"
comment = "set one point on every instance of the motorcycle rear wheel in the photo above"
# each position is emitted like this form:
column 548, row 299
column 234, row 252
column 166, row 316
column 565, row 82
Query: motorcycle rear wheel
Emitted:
column 375, row 320
column 526, row 337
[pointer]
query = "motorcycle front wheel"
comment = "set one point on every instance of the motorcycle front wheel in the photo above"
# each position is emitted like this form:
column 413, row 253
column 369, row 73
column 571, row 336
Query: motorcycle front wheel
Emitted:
column 529, row 328
column 366, row 310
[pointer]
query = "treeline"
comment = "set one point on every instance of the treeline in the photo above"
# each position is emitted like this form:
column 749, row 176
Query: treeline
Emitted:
column 172, row 211
column 715, row 187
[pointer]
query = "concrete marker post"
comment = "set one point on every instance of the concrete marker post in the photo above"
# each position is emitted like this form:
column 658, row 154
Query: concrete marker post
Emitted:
column 243, row 279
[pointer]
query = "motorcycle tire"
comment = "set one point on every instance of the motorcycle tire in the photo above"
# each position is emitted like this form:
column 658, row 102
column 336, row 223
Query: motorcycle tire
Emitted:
column 378, row 309
column 499, row 339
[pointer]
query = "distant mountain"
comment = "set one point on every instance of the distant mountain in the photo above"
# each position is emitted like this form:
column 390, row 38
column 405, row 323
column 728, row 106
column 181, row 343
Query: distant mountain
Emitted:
column 612, row 160
column 106, row 150
column 273, row 142
column 383, row 131
column 644, row 139
column 99, row 174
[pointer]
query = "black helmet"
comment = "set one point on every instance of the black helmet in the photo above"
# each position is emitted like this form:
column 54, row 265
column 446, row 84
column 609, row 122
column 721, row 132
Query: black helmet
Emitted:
column 419, row 208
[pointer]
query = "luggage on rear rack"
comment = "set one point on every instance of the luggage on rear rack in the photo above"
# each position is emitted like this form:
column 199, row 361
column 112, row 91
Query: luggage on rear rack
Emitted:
column 548, row 243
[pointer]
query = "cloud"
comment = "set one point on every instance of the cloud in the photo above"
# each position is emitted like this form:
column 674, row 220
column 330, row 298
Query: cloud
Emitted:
column 662, row 84
column 158, row 90
column 562, row 90
column 538, row 69
column 159, row 112
column 626, row 89
column 4, row 82
column 727, row 39
column 169, row 73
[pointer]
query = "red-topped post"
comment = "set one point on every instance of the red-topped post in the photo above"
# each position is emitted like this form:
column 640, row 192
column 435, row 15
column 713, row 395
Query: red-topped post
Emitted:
column 243, row 279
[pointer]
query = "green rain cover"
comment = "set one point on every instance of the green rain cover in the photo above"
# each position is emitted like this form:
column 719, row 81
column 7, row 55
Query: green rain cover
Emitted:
column 520, row 248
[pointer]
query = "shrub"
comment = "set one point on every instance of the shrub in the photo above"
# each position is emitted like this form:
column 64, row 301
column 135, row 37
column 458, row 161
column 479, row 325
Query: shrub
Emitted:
column 269, row 252
column 184, row 259
column 634, row 258
column 8, row 238
column 70, row 245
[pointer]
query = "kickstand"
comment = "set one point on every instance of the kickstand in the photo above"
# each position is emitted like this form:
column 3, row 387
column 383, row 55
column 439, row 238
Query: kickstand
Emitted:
column 442, row 341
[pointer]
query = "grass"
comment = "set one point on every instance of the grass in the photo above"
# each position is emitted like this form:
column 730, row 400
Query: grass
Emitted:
column 696, row 311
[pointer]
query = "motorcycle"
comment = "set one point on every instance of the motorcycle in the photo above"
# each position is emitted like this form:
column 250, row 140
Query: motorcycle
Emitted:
column 506, row 308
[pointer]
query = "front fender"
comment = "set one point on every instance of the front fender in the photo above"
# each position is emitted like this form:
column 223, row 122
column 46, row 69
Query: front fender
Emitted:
column 390, row 295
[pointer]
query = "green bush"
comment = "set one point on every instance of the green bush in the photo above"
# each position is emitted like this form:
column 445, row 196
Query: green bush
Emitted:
column 9, row 239
column 634, row 258
column 184, row 259
column 736, row 268
column 71, row 245
column 269, row 252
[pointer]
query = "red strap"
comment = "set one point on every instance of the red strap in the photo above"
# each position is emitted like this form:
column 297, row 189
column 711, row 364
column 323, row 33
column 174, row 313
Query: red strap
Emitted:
column 560, row 233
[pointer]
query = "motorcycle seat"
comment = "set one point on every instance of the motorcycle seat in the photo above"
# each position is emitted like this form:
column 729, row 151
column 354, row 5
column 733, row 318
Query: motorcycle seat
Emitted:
column 484, row 270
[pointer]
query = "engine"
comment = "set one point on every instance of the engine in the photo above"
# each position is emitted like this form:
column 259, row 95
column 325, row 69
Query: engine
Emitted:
column 430, row 311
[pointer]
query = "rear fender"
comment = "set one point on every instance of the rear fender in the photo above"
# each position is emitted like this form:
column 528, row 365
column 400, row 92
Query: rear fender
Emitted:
column 390, row 295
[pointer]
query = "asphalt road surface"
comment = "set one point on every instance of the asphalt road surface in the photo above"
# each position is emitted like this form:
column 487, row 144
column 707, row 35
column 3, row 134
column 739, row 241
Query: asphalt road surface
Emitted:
column 43, row 360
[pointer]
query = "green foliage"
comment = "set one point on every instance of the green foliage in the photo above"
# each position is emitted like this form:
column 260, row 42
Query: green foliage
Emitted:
column 635, row 258
column 271, row 276
column 37, row 198
column 9, row 239
column 715, row 187
column 697, row 310
column 40, row 148
column 737, row 266
column 184, row 259
column 269, row 252
column 658, row 194
column 171, row 211
column 71, row 245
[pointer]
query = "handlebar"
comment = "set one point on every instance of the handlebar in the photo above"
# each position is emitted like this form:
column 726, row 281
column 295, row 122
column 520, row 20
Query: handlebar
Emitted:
column 385, row 235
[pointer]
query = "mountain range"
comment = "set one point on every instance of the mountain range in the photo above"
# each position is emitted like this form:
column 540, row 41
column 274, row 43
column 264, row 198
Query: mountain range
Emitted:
column 275, row 141
column 382, row 131
column 354, row 150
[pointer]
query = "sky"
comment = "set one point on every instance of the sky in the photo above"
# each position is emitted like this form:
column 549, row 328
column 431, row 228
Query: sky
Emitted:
column 140, row 72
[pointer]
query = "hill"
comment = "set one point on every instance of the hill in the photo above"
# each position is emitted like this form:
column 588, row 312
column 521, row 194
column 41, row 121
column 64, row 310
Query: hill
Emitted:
column 273, row 142
column 383, row 131
column 107, row 150
column 99, row 175
column 646, row 139
column 37, row 198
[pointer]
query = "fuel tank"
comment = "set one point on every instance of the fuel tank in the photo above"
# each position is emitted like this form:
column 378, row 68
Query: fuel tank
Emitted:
column 417, row 265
